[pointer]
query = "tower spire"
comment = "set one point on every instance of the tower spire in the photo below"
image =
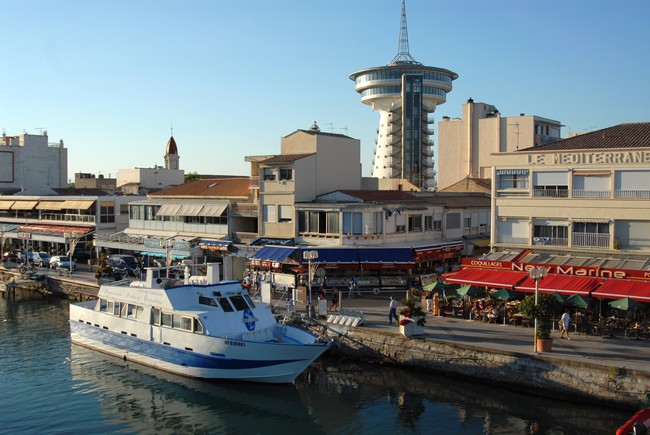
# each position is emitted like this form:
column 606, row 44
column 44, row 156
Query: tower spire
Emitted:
column 403, row 55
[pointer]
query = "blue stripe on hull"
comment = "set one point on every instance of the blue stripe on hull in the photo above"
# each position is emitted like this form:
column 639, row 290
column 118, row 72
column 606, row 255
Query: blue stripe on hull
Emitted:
column 170, row 354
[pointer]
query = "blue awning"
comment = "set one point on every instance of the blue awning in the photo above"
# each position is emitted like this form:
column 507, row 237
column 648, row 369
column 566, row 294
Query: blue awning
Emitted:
column 337, row 255
column 273, row 253
column 386, row 255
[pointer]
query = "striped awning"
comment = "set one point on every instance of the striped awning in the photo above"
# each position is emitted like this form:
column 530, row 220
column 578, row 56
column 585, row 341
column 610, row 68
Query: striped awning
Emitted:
column 213, row 210
column 50, row 205
column 168, row 210
column 189, row 210
column 78, row 205
column 24, row 205
column 6, row 205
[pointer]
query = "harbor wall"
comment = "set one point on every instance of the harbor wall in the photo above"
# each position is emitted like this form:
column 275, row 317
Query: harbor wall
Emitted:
column 539, row 374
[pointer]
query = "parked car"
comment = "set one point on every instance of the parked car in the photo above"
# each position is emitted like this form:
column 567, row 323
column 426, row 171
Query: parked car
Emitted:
column 39, row 258
column 126, row 264
column 61, row 261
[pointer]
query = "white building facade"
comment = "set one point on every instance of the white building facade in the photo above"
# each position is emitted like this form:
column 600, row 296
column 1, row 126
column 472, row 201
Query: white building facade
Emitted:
column 29, row 162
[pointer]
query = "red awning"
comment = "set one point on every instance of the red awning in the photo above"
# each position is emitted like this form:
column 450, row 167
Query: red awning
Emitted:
column 620, row 288
column 486, row 278
column 563, row 284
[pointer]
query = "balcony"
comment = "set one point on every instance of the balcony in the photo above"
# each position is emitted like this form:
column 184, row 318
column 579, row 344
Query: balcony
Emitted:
column 551, row 193
column 632, row 194
column 509, row 240
column 591, row 240
column 581, row 193
column 541, row 139
column 550, row 241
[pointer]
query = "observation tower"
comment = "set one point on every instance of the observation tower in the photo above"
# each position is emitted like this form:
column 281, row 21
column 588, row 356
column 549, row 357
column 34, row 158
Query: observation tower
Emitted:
column 404, row 92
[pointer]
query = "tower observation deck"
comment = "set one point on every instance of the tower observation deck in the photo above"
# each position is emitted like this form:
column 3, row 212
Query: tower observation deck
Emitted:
column 404, row 92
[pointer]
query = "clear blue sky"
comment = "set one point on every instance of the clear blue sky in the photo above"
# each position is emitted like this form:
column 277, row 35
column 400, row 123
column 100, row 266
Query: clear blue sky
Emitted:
column 110, row 78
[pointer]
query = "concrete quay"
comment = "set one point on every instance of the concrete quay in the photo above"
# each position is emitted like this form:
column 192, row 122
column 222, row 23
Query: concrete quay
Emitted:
column 610, row 371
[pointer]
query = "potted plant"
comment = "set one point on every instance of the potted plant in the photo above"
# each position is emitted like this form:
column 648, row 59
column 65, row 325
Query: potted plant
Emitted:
column 411, row 319
column 546, row 308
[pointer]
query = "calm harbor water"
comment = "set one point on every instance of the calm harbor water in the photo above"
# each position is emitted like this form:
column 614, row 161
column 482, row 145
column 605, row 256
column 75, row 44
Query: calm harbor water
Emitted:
column 52, row 386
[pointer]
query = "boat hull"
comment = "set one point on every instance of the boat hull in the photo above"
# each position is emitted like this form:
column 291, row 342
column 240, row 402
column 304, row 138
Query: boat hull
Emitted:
column 269, row 362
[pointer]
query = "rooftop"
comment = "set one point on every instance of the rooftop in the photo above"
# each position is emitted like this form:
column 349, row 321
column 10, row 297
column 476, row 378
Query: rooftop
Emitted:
column 208, row 188
column 633, row 135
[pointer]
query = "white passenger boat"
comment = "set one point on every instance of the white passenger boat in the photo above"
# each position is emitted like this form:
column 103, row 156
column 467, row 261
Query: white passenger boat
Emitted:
column 194, row 327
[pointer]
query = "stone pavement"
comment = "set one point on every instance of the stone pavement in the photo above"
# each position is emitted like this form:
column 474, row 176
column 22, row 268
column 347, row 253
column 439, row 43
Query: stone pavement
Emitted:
column 614, row 352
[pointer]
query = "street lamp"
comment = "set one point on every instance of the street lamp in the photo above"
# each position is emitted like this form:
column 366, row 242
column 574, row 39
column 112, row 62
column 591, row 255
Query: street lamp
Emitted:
column 536, row 273
column 3, row 230
column 309, row 256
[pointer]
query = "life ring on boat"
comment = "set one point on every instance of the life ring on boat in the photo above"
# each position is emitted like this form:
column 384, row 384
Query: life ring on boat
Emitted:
column 375, row 291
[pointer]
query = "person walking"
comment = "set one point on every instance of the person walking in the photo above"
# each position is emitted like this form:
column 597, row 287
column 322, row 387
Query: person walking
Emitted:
column 335, row 299
column 392, row 313
column 564, row 324
column 351, row 289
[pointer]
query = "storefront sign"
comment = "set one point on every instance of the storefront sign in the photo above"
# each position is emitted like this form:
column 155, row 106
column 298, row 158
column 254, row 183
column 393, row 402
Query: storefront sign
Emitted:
column 559, row 269
column 590, row 158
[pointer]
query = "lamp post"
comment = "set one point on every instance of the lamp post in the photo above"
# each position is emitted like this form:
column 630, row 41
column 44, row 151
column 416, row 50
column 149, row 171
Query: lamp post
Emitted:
column 537, row 273
column 309, row 256
column 3, row 230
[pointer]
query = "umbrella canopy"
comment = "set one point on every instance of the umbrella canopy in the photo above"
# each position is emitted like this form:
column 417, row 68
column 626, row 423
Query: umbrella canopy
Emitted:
column 560, row 298
column 577, row 301
column 434, row 286
column 470, row 290
column 626, row 304
column 504, row 295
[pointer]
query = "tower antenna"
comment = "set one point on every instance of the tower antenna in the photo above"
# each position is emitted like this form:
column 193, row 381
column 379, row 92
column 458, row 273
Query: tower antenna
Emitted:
column 403, row 55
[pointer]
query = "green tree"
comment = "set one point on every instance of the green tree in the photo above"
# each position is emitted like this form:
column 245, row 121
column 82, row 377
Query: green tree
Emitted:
column 547, row 307
column 191, row 176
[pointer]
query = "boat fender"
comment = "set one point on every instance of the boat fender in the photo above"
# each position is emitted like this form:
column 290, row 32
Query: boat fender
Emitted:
column 375, row 291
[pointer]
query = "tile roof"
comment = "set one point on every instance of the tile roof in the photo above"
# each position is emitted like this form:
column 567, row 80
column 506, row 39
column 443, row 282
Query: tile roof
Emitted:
column 632, row 135
column 285, row 158
column 208, row 188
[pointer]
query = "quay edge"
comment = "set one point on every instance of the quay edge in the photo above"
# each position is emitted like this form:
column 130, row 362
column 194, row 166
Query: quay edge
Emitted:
column 539, row 375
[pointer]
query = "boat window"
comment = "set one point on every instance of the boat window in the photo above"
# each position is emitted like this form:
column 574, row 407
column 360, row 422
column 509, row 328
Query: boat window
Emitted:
column 239, row 303
column 166, row 319
column 203, row 300
column 155, row 316
column 101, row 305
column 250, row 301
column 198, row 326
column 110, row 307
column 186, row 323
column 176, row 321
column 225, row 305
column 139, row 311
column 116, row 309
column 127, row 311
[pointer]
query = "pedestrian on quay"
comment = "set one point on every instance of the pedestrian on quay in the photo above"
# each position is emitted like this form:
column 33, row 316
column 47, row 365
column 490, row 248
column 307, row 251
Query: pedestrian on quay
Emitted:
column 351, row 289
column 564, row 324
column 393, row 311
column 335, row 299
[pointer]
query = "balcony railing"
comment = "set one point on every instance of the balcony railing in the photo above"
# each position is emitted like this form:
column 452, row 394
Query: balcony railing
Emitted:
column 633, row 194
column 636, row 244
column 581, row 193
column 550, row 241
column 591, row 240
column 551, row 193
column 502, row 238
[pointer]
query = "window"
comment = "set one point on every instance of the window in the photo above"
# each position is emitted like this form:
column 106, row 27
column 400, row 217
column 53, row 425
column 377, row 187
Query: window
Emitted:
column 166, row 320
column 268, row 174
column 239, row 303
column 553, row 184
column 285, row 213
column 468, row 222
column 512, row 179
column 186, row 323
column 155, row 316
column 198, row 326
column 286, row 174
column 204, row 300
column 352, row 223
column 415, row 222
column 453, row 221
column 225, row 305
column 270, row 213
column 135, row 212
column 428, row 223
column 106, row 213
column 378, row 222
column 550, row 234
